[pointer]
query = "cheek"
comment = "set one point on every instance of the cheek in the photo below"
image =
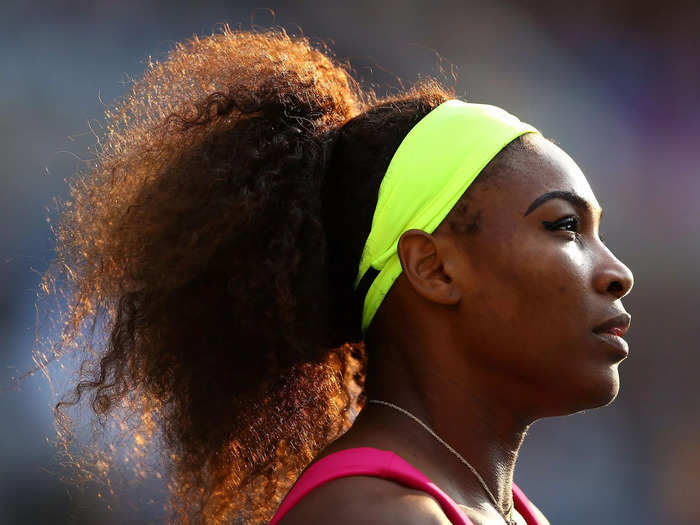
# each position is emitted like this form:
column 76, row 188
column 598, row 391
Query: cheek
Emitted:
column 531, row 280
column 531, row 301
column 550, row 279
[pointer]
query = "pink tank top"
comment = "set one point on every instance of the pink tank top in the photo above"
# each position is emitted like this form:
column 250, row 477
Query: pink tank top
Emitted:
column 368, row 461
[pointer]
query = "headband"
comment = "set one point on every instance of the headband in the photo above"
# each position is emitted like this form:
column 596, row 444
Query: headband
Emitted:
column 431, row 169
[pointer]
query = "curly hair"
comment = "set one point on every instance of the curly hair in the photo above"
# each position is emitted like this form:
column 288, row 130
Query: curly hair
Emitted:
column 217, row 236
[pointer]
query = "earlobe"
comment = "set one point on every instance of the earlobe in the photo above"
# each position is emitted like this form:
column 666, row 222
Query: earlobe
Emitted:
column 422, row 261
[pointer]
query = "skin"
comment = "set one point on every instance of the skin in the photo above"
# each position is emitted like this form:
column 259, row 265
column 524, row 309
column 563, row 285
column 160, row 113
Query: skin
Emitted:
column 480, row 336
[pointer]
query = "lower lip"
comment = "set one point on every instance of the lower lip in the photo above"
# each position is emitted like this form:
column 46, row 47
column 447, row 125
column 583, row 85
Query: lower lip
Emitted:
column 615, row 341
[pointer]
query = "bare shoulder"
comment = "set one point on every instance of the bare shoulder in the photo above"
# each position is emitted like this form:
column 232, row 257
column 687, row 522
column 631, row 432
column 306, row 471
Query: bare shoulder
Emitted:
column 360, row 500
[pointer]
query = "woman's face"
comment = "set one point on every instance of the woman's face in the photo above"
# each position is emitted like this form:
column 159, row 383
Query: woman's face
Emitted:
column 536, row 281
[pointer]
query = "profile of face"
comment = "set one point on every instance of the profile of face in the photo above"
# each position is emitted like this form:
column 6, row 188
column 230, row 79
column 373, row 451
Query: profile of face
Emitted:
column 530, row 288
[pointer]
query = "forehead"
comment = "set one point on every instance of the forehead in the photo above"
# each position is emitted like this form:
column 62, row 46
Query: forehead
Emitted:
column 541, row 168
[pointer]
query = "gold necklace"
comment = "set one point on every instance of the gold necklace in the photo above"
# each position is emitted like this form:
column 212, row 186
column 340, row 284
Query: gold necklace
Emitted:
column 507, row 515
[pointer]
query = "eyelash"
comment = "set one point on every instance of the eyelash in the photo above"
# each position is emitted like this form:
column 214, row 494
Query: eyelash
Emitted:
column 565, row 221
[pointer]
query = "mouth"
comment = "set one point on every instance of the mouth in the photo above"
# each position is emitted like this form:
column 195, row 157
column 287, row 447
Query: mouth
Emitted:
column 612, row 330
column 615, row 341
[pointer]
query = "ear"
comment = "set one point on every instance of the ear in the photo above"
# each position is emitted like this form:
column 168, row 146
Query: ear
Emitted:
column 421, row 260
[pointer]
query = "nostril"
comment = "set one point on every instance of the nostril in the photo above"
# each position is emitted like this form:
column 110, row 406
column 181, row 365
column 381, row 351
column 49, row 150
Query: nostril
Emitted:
column 615, row 287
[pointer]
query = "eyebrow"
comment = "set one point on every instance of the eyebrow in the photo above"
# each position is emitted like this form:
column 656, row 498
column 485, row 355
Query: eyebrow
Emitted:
column 579, row 202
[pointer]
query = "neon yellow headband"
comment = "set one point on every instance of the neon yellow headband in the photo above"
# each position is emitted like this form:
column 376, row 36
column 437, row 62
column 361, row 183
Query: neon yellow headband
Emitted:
column 431, row 169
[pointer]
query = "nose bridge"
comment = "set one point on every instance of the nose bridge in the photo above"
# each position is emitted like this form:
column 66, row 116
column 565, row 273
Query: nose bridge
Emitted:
column 612, row 276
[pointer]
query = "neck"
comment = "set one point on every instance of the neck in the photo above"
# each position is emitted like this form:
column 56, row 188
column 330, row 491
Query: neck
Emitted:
column 484, row 430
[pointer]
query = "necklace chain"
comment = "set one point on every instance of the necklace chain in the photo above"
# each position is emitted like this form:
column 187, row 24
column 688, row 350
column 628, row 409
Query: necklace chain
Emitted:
column 507, row 516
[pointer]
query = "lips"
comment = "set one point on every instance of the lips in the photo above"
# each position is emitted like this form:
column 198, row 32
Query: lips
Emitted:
column 612, row 330
column 616, row 325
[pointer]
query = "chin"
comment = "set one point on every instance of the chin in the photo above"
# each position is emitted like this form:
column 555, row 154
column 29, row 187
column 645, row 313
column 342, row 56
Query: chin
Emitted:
column 590, row 391
column 601, row 391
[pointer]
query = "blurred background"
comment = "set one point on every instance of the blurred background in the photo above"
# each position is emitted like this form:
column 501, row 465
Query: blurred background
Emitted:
column 614, row 83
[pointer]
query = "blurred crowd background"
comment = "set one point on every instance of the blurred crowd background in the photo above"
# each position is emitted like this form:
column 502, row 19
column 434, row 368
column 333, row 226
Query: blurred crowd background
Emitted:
column 614, row 83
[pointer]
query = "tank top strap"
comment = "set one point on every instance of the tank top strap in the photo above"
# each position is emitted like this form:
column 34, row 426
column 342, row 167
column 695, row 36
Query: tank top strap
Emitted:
column 369, row 461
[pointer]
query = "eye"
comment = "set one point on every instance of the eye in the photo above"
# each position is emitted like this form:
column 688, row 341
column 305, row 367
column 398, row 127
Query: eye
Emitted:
column 570, row 223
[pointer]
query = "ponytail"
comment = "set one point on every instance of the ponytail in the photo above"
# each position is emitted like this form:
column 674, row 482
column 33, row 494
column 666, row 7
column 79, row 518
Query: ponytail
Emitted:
column 216, row 236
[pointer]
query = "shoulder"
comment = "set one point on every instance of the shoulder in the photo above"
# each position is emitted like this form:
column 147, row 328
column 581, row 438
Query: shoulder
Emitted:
column 359, row 500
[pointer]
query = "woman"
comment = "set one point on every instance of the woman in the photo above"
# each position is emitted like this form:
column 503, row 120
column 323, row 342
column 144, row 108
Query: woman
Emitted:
column 255, row 221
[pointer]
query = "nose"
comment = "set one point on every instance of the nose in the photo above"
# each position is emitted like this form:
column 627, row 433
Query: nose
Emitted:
column 613, row 277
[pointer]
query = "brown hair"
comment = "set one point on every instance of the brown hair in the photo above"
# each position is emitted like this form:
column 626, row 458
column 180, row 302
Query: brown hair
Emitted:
column 216, row 238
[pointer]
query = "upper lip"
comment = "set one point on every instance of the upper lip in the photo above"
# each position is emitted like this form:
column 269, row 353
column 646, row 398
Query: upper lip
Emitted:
column 615, row 325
